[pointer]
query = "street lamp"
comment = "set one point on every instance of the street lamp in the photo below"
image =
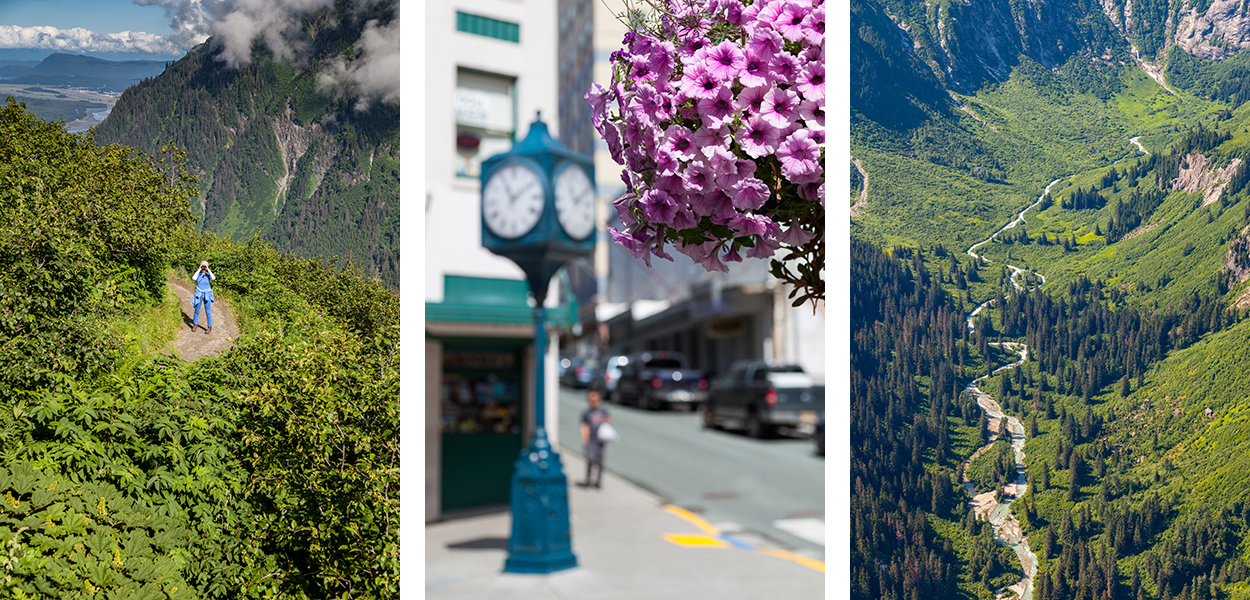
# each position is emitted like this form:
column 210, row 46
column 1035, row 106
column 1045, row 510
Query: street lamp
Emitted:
column 538, row 210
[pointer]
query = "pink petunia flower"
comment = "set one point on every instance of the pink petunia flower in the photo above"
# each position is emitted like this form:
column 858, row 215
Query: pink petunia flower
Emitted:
column 696, row 252
column 698, row 177
column 720, row 110
column 750, row 224
column 640, row 68
column 663, row 59
column 597, row 97
column 756, row 70
column 658, row 206
column 764, row 248
column 750, row 194
column 780, row 107
column 799, row 156
column 811, row 82
column 790, row 21
column 721, row 159
column 712, row 262
column 758, row 137
column 751, row 99
column 652, row 106
column 715, row 204
column 683, row 218
column 725, row 60
column 784, row 68
column 697, row 81
column 795, row 235
column 814, row 27
column 765, row 43
column 678, row 141
column 706, row 138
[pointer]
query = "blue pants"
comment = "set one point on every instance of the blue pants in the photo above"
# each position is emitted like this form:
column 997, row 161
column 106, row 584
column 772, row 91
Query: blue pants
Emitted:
column 208, row 312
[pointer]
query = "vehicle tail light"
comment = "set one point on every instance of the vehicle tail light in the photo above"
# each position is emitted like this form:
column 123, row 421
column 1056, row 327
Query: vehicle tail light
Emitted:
column 656, row 383
column 703, row 383
column 770, row 397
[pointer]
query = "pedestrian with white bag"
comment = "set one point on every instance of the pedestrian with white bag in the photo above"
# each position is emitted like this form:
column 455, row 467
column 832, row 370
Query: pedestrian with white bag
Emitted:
column 597, row 430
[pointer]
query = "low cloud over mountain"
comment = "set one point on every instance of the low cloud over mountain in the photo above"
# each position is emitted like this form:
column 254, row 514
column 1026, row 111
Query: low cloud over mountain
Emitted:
column 234, row 26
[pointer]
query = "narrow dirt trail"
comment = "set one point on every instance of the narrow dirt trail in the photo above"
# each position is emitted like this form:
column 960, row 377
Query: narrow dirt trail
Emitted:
column 194, row 344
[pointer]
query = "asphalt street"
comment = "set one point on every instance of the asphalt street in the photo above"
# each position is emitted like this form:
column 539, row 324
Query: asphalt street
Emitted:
column 772, row 489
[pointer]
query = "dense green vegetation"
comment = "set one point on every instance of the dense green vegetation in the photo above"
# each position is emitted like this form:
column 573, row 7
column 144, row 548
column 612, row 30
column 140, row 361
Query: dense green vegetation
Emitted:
column 278, row 154
column 270, row 471
column 1133, row 397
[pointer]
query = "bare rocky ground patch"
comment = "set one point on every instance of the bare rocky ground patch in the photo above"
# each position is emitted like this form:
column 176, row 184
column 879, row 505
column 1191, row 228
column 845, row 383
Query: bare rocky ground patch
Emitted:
column 193, row 344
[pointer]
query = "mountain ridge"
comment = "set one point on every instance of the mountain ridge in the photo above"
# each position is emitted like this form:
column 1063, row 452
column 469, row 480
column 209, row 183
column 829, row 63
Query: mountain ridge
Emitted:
column 280, row 154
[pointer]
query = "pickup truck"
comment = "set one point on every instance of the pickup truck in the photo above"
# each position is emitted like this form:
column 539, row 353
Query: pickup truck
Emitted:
column 659, row 379
column 761, row 397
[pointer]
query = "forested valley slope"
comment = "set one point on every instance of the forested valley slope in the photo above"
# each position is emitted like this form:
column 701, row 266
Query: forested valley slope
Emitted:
column 280, row 151
column 1058, row 212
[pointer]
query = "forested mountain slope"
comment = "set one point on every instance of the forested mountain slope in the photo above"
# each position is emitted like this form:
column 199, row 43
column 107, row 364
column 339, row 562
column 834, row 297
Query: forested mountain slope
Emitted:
column 313, row 169
column 1127, row 282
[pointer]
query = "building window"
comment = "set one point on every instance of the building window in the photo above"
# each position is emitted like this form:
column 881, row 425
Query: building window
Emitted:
column 486, row 26
column 485, row 119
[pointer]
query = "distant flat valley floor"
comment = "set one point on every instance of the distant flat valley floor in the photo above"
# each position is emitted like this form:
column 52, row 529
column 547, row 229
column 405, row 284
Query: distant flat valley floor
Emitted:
column 80, row 109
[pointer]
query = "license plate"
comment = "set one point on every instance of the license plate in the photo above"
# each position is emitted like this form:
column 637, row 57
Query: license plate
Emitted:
column 808, row 417
column 679, row 396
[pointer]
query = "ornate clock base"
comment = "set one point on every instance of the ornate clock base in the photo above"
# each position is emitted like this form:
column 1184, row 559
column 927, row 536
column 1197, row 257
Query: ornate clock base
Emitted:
column 541, row 541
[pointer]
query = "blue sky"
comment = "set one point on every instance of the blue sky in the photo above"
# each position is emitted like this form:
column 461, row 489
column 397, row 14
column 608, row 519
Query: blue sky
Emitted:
column 100, row 16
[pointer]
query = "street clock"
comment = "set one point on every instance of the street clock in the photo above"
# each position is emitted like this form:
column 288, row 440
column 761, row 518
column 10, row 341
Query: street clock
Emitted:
column 513, row 199
column 538, row 206
column 538, row 210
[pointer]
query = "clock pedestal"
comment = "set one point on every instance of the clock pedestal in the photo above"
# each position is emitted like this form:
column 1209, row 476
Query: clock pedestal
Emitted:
column 541, row 541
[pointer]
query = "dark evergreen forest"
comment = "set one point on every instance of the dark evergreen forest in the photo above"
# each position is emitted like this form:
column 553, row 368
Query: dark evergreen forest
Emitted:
column 913, row 535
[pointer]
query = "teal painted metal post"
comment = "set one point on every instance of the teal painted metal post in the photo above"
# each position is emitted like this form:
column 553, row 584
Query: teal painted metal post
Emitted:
column 541, row 541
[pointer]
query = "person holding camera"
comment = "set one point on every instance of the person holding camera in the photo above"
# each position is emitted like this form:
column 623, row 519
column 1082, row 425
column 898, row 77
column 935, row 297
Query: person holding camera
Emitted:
column 203, row 295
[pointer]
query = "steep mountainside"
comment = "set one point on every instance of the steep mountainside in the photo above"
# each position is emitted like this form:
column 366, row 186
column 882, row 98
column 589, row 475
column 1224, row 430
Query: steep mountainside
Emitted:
column 1062, row 191
column 311, row 169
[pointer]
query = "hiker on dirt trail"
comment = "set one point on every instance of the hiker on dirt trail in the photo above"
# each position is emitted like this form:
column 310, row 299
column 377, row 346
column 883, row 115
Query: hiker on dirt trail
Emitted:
column 203, row 294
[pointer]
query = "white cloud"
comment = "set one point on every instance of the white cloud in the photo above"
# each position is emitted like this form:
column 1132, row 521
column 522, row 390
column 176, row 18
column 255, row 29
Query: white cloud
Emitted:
column 79, row 40
column 234, row 27
column 375, row 75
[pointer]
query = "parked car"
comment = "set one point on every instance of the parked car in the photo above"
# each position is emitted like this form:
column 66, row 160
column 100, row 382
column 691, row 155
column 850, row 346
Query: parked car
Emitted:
column 580, row 372
column 659, row 379
column 609, row 376
column 761, row 397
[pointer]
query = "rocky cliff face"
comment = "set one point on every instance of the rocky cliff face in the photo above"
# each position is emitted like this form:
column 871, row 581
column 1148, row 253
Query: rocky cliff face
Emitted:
column 1219, row 33
column 973, row 43
column 1198, row 175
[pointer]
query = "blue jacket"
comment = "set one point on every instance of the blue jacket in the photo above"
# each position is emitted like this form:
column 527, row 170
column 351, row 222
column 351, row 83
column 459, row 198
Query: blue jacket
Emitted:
column 203, row 288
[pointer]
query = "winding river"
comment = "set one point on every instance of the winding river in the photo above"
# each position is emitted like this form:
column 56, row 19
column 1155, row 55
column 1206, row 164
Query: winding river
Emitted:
column 1006, row 526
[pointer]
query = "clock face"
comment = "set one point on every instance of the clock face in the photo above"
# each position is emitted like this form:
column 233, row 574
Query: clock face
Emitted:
column 575, row 202
column 512, row 201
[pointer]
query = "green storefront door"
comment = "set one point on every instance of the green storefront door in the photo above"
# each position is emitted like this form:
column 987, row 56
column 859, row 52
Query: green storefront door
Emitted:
column 482, row 400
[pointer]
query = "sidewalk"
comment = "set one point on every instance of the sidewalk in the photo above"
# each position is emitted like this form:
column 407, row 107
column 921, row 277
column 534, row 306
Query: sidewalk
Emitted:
column 619, row 538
